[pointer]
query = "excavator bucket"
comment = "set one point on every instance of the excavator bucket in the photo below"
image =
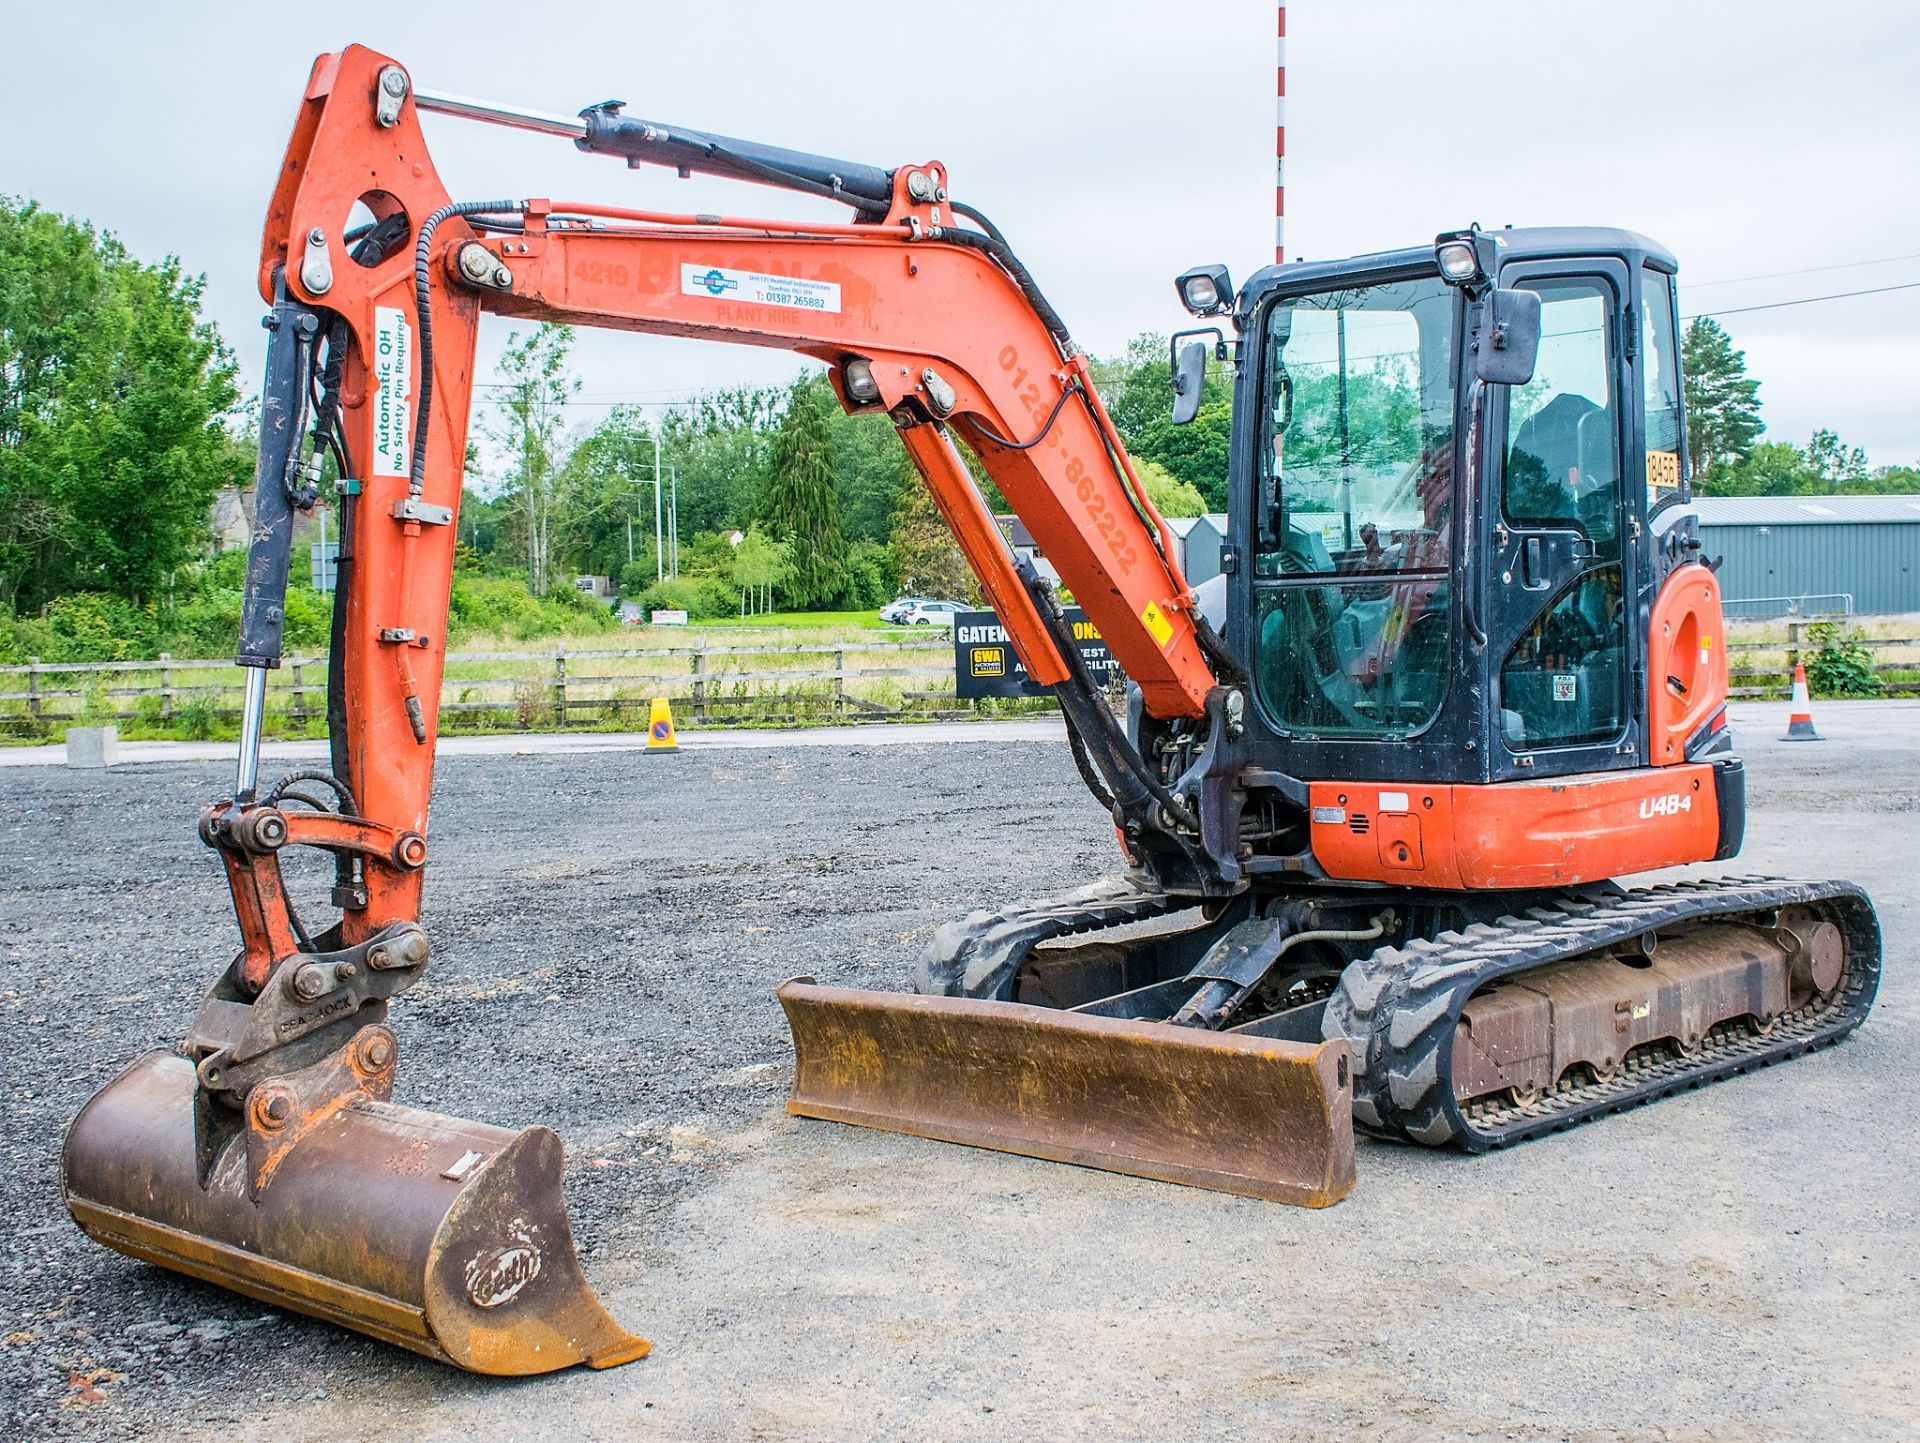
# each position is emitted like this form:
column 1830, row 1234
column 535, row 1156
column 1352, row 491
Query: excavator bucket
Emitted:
column 1256, row 1116
column 444, row 1236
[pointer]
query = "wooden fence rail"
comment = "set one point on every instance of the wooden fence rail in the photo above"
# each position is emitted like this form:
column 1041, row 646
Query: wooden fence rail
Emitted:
column 739, row 682
column 524, row 689
column 1765, row 668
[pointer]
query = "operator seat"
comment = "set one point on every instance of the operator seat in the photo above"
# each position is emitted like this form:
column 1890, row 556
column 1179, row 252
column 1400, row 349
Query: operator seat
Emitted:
column 1568, row 434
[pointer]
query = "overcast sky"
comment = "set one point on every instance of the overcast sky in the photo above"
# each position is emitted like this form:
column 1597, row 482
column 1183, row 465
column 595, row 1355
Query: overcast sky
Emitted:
column 1116, row 143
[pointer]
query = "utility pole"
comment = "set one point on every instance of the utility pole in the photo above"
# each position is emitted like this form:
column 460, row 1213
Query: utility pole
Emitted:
column 673, row 515
column 659, row 556
column 1280, row 146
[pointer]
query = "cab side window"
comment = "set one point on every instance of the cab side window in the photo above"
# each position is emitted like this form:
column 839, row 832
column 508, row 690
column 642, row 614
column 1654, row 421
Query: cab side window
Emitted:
column 1660, row 372
column 1563, row 453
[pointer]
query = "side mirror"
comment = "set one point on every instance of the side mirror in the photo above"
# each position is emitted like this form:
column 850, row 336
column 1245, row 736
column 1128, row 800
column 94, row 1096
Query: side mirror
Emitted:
column 1189, row 381
column 1506, row 343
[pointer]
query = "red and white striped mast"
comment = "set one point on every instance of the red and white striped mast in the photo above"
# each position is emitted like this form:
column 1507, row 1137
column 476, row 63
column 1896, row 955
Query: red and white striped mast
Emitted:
column 1280, row 147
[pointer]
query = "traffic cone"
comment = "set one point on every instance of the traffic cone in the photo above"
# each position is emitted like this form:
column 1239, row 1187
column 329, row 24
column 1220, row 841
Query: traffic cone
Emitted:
column 660, row 733
column 1800, row 721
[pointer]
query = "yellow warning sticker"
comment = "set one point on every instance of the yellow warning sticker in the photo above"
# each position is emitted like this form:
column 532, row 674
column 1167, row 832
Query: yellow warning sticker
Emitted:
column 1158, row 627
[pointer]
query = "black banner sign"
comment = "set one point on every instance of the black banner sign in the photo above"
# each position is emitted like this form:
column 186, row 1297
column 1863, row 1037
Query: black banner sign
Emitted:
column 985, row 663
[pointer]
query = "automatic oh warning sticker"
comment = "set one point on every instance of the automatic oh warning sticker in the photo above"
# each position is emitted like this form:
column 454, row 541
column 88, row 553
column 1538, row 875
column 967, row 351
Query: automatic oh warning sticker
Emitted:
column 1155, row 620
column 393, row 398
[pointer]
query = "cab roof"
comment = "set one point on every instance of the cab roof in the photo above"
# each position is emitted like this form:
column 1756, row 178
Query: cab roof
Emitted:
column 1546, row 242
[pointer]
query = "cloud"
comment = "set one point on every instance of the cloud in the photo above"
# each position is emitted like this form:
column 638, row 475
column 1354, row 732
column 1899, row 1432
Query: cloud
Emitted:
column 1117, row 143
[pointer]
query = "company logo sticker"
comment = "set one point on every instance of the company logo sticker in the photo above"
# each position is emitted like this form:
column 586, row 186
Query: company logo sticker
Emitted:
column 756, row 288
column 499, row 1274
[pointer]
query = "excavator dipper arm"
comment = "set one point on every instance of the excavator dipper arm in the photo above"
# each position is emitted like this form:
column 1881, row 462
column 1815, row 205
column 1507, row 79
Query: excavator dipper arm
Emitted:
column 244, row 1156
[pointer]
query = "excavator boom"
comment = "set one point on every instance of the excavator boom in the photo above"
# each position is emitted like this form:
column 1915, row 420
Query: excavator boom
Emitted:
column 266, row 1153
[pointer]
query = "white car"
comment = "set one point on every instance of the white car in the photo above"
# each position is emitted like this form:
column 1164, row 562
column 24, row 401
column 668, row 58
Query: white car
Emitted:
column 934, row 613
column 896, row 610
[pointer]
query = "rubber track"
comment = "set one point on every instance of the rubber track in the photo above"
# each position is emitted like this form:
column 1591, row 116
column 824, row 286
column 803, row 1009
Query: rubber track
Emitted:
column 979, row 955
column 1398, row 1007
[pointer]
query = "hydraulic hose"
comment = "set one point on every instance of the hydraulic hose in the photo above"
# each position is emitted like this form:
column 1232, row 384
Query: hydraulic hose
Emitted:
column 1004, row 257
column 423, row 309
column 1129, row 778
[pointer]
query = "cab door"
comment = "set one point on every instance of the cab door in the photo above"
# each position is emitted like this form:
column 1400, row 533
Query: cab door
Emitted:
column 1559, row 588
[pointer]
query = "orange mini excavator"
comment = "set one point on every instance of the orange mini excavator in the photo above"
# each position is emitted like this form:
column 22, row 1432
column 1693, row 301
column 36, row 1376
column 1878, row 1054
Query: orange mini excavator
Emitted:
column 1463, row 666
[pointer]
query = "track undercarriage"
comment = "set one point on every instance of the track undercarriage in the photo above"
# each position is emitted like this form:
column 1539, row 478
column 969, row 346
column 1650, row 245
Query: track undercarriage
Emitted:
column 1474, row 1020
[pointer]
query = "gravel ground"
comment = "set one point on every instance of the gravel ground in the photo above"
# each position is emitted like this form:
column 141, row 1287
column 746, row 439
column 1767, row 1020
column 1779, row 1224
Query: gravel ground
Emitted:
column 1736, row 1264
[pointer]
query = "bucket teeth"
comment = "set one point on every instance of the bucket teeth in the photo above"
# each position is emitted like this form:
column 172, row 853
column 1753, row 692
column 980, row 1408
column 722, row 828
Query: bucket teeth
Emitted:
column 443, row 1236
column 1250, row 1115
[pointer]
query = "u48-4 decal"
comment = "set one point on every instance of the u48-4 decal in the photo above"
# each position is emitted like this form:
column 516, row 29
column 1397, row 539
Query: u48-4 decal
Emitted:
column 1671, row 805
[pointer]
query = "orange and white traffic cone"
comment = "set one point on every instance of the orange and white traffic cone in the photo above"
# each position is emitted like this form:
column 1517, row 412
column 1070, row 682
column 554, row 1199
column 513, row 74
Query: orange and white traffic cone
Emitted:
column 1800, row 721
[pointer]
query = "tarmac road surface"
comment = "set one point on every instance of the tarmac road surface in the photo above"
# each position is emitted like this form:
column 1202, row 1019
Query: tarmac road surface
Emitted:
column 1736, row 1264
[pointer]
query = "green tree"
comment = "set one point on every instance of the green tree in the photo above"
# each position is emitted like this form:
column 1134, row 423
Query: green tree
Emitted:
column 719, row 447
column 1838, row 465
column 529, row 429
column 1723, row 401
column 926, row 559
column 1893, row 481
column 113, row 399
column 1770, row 468
column 800, row 506
column 484, row 521
column 605, row 502
column 1172, row 496
column 865, row 455
column 1827, row 465
column 759, row 565
column 1195, row 453
column 1137, row 388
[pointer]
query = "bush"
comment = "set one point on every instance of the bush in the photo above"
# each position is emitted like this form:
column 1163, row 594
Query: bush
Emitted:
column 502, row 604
column 704, row 598
column 87, row 626
column 870, row 576
column 576, row 610
column 199, row 717
column 1841, row 664
column 205, row 620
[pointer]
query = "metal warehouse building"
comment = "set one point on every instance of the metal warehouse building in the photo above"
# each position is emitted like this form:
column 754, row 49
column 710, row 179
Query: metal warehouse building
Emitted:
column 1803, row 554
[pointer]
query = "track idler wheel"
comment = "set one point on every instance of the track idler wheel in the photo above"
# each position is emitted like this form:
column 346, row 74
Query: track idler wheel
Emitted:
column 444, row 1236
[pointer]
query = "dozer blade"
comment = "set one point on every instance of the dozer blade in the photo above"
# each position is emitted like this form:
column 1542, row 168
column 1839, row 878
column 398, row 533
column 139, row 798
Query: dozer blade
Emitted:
column 444, row 1236
column 1256, row 1116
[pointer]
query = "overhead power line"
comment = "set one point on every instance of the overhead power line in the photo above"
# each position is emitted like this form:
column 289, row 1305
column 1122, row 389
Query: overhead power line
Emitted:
column 1804, row 301
column 1803, row 271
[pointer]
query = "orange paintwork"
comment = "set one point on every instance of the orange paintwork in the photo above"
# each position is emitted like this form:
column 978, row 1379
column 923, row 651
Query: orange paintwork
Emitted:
column 1686, row 662
column 906, row 301
column 1554, row 832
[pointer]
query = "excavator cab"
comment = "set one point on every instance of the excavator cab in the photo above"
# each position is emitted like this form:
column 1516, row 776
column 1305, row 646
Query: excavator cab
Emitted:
column 1443, row 576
